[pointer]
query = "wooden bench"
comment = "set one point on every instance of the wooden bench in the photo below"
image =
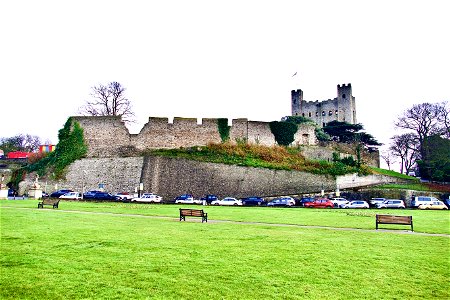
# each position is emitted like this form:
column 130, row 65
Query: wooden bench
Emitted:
column 187, row 212
column 390, row 219
column 53, row 202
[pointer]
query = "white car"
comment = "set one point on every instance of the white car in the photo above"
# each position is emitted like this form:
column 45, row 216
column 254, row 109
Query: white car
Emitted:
column 391, row 203
column 71, row 195
column 148, row 198
column 227, row 201
column 124, row 196
column 356, row 204
column 339, row 201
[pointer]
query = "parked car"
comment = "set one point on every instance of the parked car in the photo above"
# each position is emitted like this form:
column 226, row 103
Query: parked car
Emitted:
column 71, row 195
column 391, row 203
column 227, row 201
column 124, row 196
column 433, row 205
column 282, row 201
column 422, row 200
column 258, row 201
column 90, row 194
column 375, row 201
column 356, row 204
column 148, row 198
column 187, row 199
column 209, row 198
column 320, row 203
column 337, row 202
column 102, row 196
column 59, row 193
column 305, row 200
column 447, row 202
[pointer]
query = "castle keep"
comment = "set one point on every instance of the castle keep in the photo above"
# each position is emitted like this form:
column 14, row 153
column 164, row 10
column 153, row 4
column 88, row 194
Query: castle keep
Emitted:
column 341, row 109
column 109, row 137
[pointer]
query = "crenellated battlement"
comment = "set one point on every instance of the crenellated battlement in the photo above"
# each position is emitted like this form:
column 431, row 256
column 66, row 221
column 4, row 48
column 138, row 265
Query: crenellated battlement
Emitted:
column 109, row 137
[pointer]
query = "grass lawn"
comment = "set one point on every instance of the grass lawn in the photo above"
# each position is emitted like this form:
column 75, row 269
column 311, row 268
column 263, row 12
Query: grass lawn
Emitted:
column 110, row 251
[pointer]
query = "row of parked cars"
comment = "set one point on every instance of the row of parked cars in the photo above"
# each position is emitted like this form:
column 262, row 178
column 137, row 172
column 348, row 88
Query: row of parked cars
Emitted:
column 420, row 202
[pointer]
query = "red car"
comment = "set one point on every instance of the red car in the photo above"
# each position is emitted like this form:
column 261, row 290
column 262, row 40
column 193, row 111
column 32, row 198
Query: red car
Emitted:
column 321, row 203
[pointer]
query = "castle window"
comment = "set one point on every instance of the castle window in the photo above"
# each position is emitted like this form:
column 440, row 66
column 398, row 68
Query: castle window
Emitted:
column 336, row 112
column 309, row 114
column 323, row 113
column 303, row 114
column 330, row 113
column 317, row 114
column 323, row 124
column 343, row 96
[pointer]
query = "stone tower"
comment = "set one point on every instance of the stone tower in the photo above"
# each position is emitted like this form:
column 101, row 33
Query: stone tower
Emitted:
column 341, row 108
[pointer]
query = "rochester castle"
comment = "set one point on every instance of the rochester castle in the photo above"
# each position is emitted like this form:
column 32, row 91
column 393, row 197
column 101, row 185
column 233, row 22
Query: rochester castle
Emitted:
column 108, row 136
column 341, row 109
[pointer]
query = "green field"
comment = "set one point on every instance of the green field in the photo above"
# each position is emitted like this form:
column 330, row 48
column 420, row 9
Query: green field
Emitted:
column 135, row 251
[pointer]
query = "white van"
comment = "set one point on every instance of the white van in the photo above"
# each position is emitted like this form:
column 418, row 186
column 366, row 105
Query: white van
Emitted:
column 422, row 200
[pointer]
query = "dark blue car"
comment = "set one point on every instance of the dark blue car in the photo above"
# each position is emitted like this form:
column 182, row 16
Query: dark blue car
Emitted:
column 255, row 201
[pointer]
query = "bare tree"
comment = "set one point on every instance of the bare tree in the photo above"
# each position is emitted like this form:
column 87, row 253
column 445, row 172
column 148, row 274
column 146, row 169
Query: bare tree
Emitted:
column 406, row 147
column 424, row 119
column 21, row 142
column 388, row 157
column 445, row 119
column 109, row 100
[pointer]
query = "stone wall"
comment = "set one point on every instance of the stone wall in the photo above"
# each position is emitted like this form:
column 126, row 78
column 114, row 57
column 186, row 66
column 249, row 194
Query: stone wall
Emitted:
column 108, row 136
column 170, row 177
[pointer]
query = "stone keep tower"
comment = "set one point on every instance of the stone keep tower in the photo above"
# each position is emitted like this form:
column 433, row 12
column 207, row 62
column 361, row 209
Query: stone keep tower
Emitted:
column 341, row 108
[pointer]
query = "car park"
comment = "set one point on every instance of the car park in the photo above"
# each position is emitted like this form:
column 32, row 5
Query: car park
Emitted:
column 148, row 198
column 337, row 202
column 320, row 203
column 59, row 193
column 104, row 196
column 433, row 205
column 187, row 199
column 282, row 201
column 230, row 201
column 72, row 196
column 356, row 204
column 255, row 201
column 417, row 201
column 391, row 203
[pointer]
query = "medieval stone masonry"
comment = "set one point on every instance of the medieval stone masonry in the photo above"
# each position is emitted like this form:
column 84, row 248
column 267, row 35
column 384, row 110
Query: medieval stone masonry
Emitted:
column 342, row 108
column 109, row 137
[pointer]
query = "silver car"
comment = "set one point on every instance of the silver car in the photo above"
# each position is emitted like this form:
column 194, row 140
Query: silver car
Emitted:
column 391, row 203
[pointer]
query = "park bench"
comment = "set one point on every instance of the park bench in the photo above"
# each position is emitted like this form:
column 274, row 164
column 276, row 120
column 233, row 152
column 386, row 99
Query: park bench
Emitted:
column 187, row 212
column 390, row 219
column 54, row 202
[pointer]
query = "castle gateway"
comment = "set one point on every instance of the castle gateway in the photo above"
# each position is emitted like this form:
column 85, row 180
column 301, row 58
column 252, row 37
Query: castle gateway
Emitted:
column 341, row 109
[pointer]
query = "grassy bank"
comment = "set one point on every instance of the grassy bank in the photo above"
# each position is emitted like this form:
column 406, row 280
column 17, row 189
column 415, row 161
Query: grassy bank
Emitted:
column 109, row 251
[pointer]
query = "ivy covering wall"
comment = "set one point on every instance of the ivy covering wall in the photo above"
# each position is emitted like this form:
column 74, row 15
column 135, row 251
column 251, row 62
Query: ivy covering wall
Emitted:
column 283, row 132
column 224, row 129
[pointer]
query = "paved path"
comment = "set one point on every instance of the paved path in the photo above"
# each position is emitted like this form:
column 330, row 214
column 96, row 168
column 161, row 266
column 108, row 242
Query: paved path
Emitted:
column 397, row 231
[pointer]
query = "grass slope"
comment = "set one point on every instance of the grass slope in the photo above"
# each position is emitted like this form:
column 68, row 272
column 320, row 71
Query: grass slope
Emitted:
column 89, row 253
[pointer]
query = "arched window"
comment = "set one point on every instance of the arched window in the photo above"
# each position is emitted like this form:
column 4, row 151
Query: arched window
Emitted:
column 323, row 113
column 330, row 113
column 309, row 114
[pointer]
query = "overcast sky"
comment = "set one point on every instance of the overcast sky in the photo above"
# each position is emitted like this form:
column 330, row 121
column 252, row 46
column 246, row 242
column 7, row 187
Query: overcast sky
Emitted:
column 232, row 59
